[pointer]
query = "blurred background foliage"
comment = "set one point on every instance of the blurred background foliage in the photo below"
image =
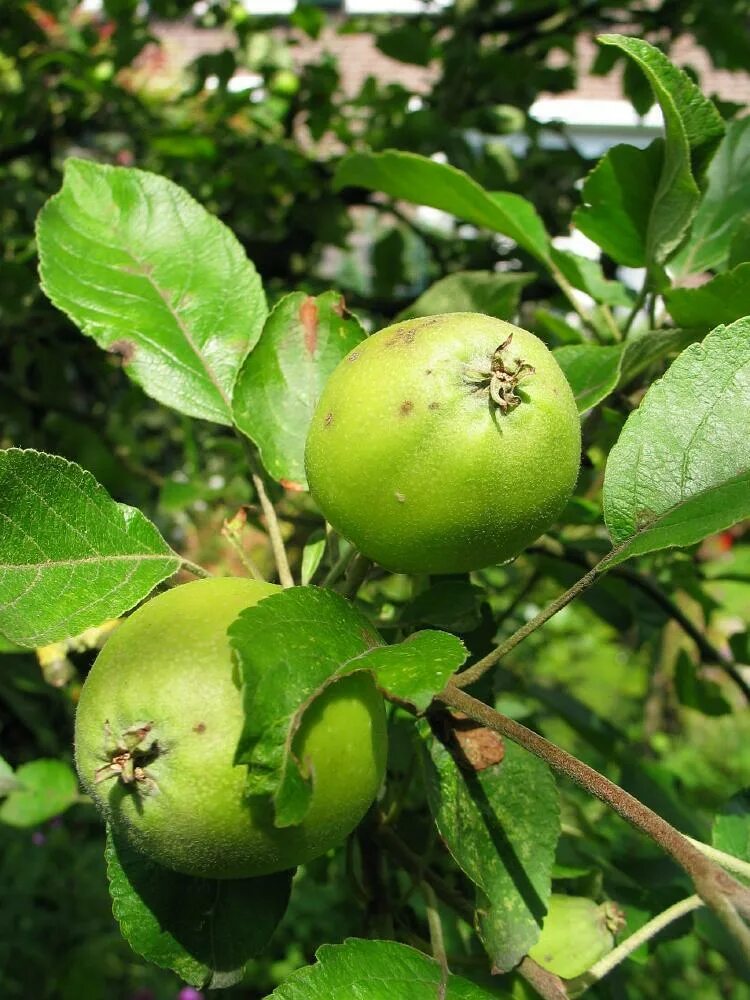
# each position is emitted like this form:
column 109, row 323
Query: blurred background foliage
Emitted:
column 621, row 690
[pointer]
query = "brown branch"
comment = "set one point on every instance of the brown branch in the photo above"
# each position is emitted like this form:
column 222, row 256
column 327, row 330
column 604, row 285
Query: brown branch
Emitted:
column 723, row 894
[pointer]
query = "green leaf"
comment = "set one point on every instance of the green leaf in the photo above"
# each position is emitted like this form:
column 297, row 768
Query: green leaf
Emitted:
column 490, row 292
column 724, row 207
column 593, row 371
column 587, row 276
column 501, row 824
column 415, row 178
column 642, row 350
column 288, row 648
column 724, row 299
column 739, row 248
column 281, row 381
column 453, row 605
column 8, row 780
column 408, row 43
column 70, row 557
column 147, row 272
column 731, row 827
column 312, row 555
column 681, row 468
column 373, row 970
column 697, row 692
column 205, row 930
column 413, row 671
column 617, row 199
column 45, row 788
column 693, row 128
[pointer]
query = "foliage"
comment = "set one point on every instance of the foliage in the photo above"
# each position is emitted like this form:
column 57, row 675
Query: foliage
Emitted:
column 213, row 276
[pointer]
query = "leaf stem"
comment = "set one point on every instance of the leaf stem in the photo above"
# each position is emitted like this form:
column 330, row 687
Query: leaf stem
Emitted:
column 235, row 540
column 547, row 984
column 195, row 569
column 356, row 574
column 272, row 522
column 637, row 305
column 436, row 926
column 726, row 897
column 649, row 930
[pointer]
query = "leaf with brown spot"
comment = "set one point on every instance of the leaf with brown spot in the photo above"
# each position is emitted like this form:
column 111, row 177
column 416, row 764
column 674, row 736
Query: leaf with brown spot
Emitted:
column 308, row 314
column 281, row 380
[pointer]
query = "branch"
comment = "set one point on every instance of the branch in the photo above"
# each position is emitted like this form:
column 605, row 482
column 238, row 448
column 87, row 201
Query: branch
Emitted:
column 726, row 897
column 547, row 984
column 195, row 569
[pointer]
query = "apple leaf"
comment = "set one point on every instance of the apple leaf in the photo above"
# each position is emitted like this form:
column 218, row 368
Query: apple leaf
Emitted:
column 70, row 557
column 587, row 276
column 152, row 276
column 593, row 371
column 681, row 467
column 693, row 128
column 39, row 791
column 724, row 299
column 290, row 648
column 499, row 818
column 617, row 197
column 281, row 380
column 423, row 181
column 488, row 292
column 731, row 827
column 724, row 207
column 205, row 930
column 413, row 671
column 372, row 970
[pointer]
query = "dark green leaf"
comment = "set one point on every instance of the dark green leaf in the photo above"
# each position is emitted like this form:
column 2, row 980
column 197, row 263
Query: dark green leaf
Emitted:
column 490, row 292
column 447, row 604
column 281, row 380
column 425, row 182
column 44, row 789
column 70, row 557
column 617, row 198
column 205, row 930
column 408, row 43
column 501, row 824
column 288, row 648
column 147, row 272
column 724, row 299
column 724, row 207
column 374, row 970
column 681, row 467
column 697, row 692
column 641, row 350
column 739, row 248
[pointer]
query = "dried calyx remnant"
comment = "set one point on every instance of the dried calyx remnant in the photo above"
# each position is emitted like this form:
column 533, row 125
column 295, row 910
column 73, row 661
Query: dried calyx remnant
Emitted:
column 129, row 753
column 500, row 376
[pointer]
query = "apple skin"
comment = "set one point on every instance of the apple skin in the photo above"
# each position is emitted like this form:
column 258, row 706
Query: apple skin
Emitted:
column 170, row 665
column 408, row 457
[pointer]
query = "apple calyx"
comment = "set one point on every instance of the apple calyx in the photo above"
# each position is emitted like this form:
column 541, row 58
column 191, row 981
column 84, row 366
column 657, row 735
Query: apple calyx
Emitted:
column 500, row 376
column 128, row 754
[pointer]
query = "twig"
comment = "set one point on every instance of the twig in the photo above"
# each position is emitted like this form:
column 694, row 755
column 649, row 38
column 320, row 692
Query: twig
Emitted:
column 637, row 305
column 605, row 965
column 436, row 927
column 195, row 569
column 272, row 521
column 719, row 890
column 338, row 568
column 547, row 984
column 480, row 668
column 356, row 574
